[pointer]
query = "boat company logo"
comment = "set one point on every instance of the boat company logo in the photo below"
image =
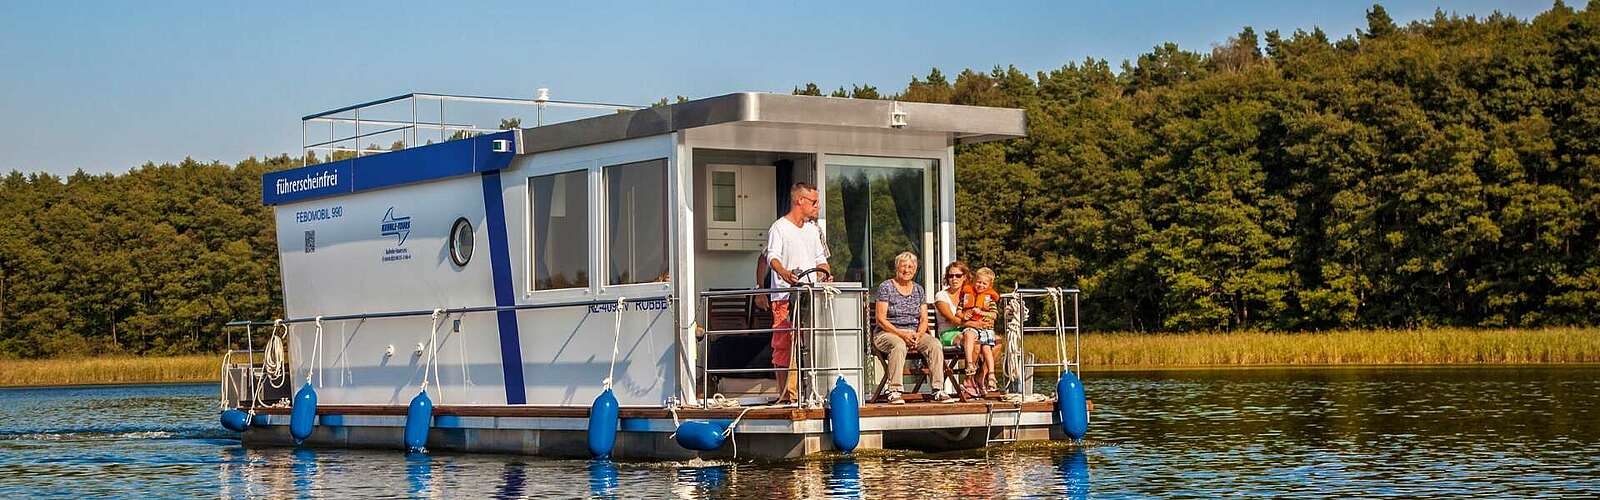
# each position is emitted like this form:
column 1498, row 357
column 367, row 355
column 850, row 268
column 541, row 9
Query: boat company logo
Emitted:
column 398, row 227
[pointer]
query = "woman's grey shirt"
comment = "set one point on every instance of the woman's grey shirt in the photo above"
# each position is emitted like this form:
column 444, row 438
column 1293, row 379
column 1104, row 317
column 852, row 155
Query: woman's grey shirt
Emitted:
column 905, row 311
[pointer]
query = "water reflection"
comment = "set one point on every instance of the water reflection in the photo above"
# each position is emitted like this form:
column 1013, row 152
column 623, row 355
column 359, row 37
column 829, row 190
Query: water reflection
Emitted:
column 1075, row 473
column 419, row 474
column 303, row 467
column 699, row 481
column 844, row 478
column 603, row 478
column 1342, row 432
column 514, row 477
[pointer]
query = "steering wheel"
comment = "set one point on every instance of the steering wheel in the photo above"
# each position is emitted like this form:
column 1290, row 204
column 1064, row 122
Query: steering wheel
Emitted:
column 801, row 276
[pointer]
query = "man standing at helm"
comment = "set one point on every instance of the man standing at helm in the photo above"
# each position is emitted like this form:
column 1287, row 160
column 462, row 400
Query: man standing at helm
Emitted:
column 794, row 244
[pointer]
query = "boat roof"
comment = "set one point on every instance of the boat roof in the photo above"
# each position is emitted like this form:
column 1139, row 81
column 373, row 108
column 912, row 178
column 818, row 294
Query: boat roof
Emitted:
column 966, row 124
column 495, row 151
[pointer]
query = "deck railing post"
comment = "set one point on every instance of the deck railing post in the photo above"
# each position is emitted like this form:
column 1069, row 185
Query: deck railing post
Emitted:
column 705, row 357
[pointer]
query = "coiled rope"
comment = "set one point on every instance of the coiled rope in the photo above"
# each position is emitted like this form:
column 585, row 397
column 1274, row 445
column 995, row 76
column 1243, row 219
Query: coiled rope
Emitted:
column 274, row 370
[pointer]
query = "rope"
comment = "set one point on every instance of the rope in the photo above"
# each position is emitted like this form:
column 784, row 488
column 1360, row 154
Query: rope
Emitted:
column 432, row 363
column 1061, row 344
column 273, row 367
column 830, row 291
column 1031, row 398
column 719, row 401
column 222, row 399
column 461, row 347
column 616, row 341
column 1016, row 316
column 729, row 432
column 316, row 353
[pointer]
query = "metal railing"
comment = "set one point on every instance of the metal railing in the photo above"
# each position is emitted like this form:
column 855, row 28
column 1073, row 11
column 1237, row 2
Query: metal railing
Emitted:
column 452, row 310
column 410, row 130
column 803, row 343
column 248, row 325
column 230, row 364
column 1056, row 299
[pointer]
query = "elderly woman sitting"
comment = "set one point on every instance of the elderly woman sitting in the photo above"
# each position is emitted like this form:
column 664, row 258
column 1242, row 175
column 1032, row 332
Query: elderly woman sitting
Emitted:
column 901, row 316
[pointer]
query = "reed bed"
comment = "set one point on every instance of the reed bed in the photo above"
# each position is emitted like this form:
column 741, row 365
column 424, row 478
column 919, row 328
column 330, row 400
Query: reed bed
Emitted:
column 1435, row 346
column 110, row 370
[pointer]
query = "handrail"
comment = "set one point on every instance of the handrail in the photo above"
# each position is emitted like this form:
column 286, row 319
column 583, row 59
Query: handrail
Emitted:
column 353, row 107
column 454, row 310
column 1058, row 302
column 408, row 130
column 759, row 291
column 805, row 369
column 1042, row 292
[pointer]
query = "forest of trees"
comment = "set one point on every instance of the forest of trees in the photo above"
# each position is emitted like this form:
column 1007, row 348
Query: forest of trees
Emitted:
column 1443, row 172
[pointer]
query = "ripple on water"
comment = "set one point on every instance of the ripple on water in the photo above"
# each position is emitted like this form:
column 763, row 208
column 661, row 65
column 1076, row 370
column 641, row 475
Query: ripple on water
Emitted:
column 1334, row 432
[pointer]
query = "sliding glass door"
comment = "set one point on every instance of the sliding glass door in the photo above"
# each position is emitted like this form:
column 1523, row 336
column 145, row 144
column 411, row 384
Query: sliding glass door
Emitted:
column 876, row 208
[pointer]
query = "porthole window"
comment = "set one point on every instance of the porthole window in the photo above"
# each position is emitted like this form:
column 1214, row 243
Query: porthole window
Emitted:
column 461, row 242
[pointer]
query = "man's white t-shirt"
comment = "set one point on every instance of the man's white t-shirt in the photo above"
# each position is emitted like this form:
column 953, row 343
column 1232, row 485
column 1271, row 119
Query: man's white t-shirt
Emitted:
column 797, row 247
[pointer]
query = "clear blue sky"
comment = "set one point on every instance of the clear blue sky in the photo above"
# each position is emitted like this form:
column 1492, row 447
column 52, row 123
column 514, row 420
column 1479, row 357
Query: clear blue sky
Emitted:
column 107, row 86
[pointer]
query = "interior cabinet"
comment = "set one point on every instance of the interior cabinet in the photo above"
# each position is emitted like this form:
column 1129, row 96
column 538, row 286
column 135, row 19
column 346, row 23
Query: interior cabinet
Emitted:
column 740, row 206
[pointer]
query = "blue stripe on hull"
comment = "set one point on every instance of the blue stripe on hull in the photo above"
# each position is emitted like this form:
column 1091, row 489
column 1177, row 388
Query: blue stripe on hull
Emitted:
column 500, row 264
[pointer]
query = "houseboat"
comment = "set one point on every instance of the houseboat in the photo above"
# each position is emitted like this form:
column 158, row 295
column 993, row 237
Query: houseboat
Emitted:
column 587, row 287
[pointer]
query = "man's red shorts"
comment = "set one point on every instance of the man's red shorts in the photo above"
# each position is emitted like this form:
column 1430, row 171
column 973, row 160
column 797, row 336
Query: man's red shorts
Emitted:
column 783, row 335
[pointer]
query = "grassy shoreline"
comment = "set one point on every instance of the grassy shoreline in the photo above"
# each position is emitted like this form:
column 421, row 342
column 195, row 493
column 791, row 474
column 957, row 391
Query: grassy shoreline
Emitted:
column 1437, row 346
column 1101, row 352
column 110, row 370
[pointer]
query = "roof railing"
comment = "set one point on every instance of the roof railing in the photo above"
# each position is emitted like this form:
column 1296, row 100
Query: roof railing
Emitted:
column 410, row 132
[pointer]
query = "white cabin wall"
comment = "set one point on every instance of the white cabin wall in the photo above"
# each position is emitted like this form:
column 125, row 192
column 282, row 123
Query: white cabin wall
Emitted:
column 566, row 351
column 345, row 273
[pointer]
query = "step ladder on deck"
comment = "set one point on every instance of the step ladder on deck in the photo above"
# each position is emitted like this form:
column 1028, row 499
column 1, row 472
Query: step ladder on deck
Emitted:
column 989, row 437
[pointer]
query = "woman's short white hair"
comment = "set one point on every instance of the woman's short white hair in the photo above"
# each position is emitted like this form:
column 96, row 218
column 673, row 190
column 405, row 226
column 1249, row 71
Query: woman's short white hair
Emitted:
column 905, row 256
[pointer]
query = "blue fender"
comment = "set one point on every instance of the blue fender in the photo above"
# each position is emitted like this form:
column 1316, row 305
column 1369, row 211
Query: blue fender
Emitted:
column 603, row 424
column 235, row 420
column 844, row 416
column 303, row 416
column 419, row 418
column 1073, row 407
column 701, row 435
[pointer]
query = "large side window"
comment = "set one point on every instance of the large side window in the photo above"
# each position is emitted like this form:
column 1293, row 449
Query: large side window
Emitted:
column 636, row 222
column 877, row 208
column 560, row 230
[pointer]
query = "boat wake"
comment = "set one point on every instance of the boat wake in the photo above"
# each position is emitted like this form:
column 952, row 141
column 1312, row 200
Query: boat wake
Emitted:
column 114, row 434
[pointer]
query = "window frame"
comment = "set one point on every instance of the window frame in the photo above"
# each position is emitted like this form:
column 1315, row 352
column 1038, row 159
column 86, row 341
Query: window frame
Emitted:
column 603, row 234
column 933, row 237
column 532, row 240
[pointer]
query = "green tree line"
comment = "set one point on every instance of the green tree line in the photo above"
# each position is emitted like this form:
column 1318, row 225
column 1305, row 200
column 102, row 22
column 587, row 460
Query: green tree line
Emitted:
column 1444, row 172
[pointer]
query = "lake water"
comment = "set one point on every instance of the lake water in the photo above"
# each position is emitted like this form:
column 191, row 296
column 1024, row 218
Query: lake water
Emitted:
column 1492, row 431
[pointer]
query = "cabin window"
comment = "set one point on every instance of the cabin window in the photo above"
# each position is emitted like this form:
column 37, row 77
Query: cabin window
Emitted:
column 876, row 208
column 461, row 242
column 560, row 230
column 636, row 222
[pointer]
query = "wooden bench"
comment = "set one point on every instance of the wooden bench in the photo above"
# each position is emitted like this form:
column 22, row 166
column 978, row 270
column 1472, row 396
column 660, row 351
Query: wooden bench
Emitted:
column 916, row 364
